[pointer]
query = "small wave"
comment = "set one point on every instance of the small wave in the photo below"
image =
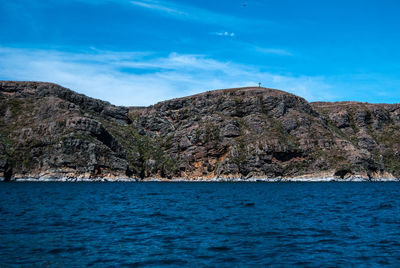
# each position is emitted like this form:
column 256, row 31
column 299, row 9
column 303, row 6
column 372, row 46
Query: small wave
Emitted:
column 385, row 206
column 153, row 193
column 227, row 259
column 270, row 233
column 66, row 250
column 157, row 214
column 249, row 204
column 322, row 233
column 127, row 240
column 99, row 261
column 354, row 237
column 328, row 241
column 156, row 263
column 219, row 248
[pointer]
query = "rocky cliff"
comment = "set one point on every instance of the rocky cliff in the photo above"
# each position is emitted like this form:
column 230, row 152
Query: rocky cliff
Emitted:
column 47, row 131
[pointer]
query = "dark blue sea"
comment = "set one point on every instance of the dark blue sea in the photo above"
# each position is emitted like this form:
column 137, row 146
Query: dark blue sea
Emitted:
column 199, row 224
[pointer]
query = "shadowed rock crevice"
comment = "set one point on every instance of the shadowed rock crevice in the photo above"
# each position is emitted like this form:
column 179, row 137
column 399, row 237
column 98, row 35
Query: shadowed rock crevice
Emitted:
column 286, row 156
column 6, row 169
column 342, row 173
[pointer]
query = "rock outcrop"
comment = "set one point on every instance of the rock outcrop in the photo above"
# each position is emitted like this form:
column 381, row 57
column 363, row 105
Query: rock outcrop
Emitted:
column 47, row 131
column 50, row 131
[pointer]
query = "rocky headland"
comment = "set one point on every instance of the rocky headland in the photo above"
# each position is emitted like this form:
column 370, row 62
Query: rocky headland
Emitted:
column 48, row 132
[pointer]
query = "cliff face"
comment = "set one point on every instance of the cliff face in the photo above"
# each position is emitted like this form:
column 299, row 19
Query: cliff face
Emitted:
column 47, row 130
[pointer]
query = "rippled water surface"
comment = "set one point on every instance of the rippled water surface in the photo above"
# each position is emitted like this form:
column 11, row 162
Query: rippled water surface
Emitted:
column 199, row 224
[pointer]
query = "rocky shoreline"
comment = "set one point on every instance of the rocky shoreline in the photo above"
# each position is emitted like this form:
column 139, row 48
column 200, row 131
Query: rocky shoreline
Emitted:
column 307, row 178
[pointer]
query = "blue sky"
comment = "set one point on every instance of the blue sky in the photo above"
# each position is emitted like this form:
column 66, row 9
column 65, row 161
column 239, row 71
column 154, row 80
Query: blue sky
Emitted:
column 139, row 52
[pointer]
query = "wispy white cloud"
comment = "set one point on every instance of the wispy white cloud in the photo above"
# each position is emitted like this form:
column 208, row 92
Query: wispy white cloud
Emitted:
column 275, row 51
column 159, row 7
column 192, row 13
column 262, row 49
column 139, row 78
column 225, row 34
